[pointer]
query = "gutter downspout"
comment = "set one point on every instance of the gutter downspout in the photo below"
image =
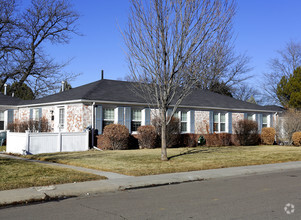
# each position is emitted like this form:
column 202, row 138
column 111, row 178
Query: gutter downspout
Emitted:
column 93, row 125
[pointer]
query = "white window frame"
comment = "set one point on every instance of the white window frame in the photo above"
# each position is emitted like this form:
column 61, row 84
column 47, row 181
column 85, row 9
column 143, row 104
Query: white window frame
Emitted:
column 106, row 119
column 61, row 124
column 133, row 120
column 219, row 122
column 268, row 121
column 36, row 114
column 180, row 113
column 3, row 114
column 252, row 115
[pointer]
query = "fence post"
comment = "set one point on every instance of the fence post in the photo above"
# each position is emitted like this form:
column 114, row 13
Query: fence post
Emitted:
column 87, row 139
column 7, row 140
column 27, row 142
column 59, row 142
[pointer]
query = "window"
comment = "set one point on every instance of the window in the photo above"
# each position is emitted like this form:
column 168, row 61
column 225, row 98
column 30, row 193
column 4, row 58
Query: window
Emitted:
column 264, row 121
column 36, row 114
column 1, row 120
column 251, row 117
column 219, row 122
column 108, row 116
column 61, row 117
column 183, row 121
column 136, row 119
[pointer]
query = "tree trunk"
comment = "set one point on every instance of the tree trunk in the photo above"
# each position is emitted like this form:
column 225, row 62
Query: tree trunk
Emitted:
column 163, row 136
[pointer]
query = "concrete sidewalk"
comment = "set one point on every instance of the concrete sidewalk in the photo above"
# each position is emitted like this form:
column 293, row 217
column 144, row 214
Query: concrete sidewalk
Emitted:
column 124, row 183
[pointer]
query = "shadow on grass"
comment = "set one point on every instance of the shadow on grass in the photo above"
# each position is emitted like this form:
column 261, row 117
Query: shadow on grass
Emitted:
column 193, row 151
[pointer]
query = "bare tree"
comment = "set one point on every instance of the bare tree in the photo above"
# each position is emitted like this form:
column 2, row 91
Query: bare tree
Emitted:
column 289, row 58
column 45, row 21
column 225, row 67
column 289, row 123
column 169, row 44
column 246, row 92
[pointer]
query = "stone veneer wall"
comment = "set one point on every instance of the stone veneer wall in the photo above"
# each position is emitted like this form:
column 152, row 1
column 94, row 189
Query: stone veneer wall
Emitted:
column 87, row 115
column 46, row 113
column 153, row 114
column 201, row 120
column 23, row 114
column 16, row 116
column 74, row 117
column 235, row 118
column 79, row 117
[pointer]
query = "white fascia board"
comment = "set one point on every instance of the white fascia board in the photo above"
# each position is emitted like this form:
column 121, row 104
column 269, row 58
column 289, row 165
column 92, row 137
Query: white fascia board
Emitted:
column 5, row 107
column 142, row 104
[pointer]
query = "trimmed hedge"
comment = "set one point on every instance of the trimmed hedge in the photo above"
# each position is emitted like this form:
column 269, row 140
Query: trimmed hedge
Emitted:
column 218, row 139
column 297, row 138
column 115, row 137
column 147, row 137
column 268, row 136
column 247, row 133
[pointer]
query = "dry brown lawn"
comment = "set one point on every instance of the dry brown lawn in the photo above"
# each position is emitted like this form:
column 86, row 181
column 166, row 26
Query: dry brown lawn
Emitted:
column 147, row 161
column 21, row 174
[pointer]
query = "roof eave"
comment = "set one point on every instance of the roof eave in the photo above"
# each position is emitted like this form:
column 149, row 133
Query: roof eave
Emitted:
column 144, row 104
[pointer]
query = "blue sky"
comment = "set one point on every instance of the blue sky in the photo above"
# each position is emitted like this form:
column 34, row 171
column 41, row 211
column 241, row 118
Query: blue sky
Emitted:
column 261, row 27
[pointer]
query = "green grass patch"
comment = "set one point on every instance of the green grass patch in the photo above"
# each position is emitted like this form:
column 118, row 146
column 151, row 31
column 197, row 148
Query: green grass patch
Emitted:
column 2, row 148
column 21, row 174
column 147, row 161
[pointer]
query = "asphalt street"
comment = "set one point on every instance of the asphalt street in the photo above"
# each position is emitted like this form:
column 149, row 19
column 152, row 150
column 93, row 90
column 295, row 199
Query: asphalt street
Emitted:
column 247, row 197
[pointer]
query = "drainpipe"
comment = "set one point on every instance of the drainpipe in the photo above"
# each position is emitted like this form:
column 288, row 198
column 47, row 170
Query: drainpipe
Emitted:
column 93, row 125
column 5, row 89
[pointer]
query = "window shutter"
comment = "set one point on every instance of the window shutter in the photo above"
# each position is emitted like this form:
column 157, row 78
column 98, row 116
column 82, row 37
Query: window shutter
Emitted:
column 211, row 122
column 230, row 122
column 120, row 119
column 271, row 120
column 259, row 122
column 128, row 118
column 147, row 116
column 10, row 116
column 245, row 116
column 98, row 118
column 40, row 113
column 191, row 121
column 31, row 114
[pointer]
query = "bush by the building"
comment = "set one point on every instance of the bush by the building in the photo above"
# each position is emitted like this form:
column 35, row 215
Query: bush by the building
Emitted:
column 296, row 137
column 147, row 136
column 268, row 136
column 247, row 132
column 218, row 139
column 115, row 137
column 41, row 125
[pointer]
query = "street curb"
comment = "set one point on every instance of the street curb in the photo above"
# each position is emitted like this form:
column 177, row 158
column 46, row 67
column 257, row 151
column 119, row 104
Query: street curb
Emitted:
column 23, row 196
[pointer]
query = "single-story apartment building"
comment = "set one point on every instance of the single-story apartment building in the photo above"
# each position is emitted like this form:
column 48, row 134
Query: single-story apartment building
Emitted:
column 103, row 102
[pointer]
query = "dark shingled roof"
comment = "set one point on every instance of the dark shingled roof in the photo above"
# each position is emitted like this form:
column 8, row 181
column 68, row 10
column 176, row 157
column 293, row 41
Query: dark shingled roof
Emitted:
column 8, row 100
column 121, row 91
column 275, row 108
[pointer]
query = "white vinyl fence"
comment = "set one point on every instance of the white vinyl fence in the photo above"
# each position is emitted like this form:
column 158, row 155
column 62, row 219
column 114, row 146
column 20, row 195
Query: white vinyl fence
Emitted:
column 37, row 143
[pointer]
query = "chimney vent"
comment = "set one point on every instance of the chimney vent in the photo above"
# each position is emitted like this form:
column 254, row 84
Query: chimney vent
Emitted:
column 101, row 74
column 5, row 89
column 63, row 86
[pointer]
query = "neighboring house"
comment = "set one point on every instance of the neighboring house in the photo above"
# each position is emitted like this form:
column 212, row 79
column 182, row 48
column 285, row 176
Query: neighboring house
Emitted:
column 103, row 102
column 7, row 106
